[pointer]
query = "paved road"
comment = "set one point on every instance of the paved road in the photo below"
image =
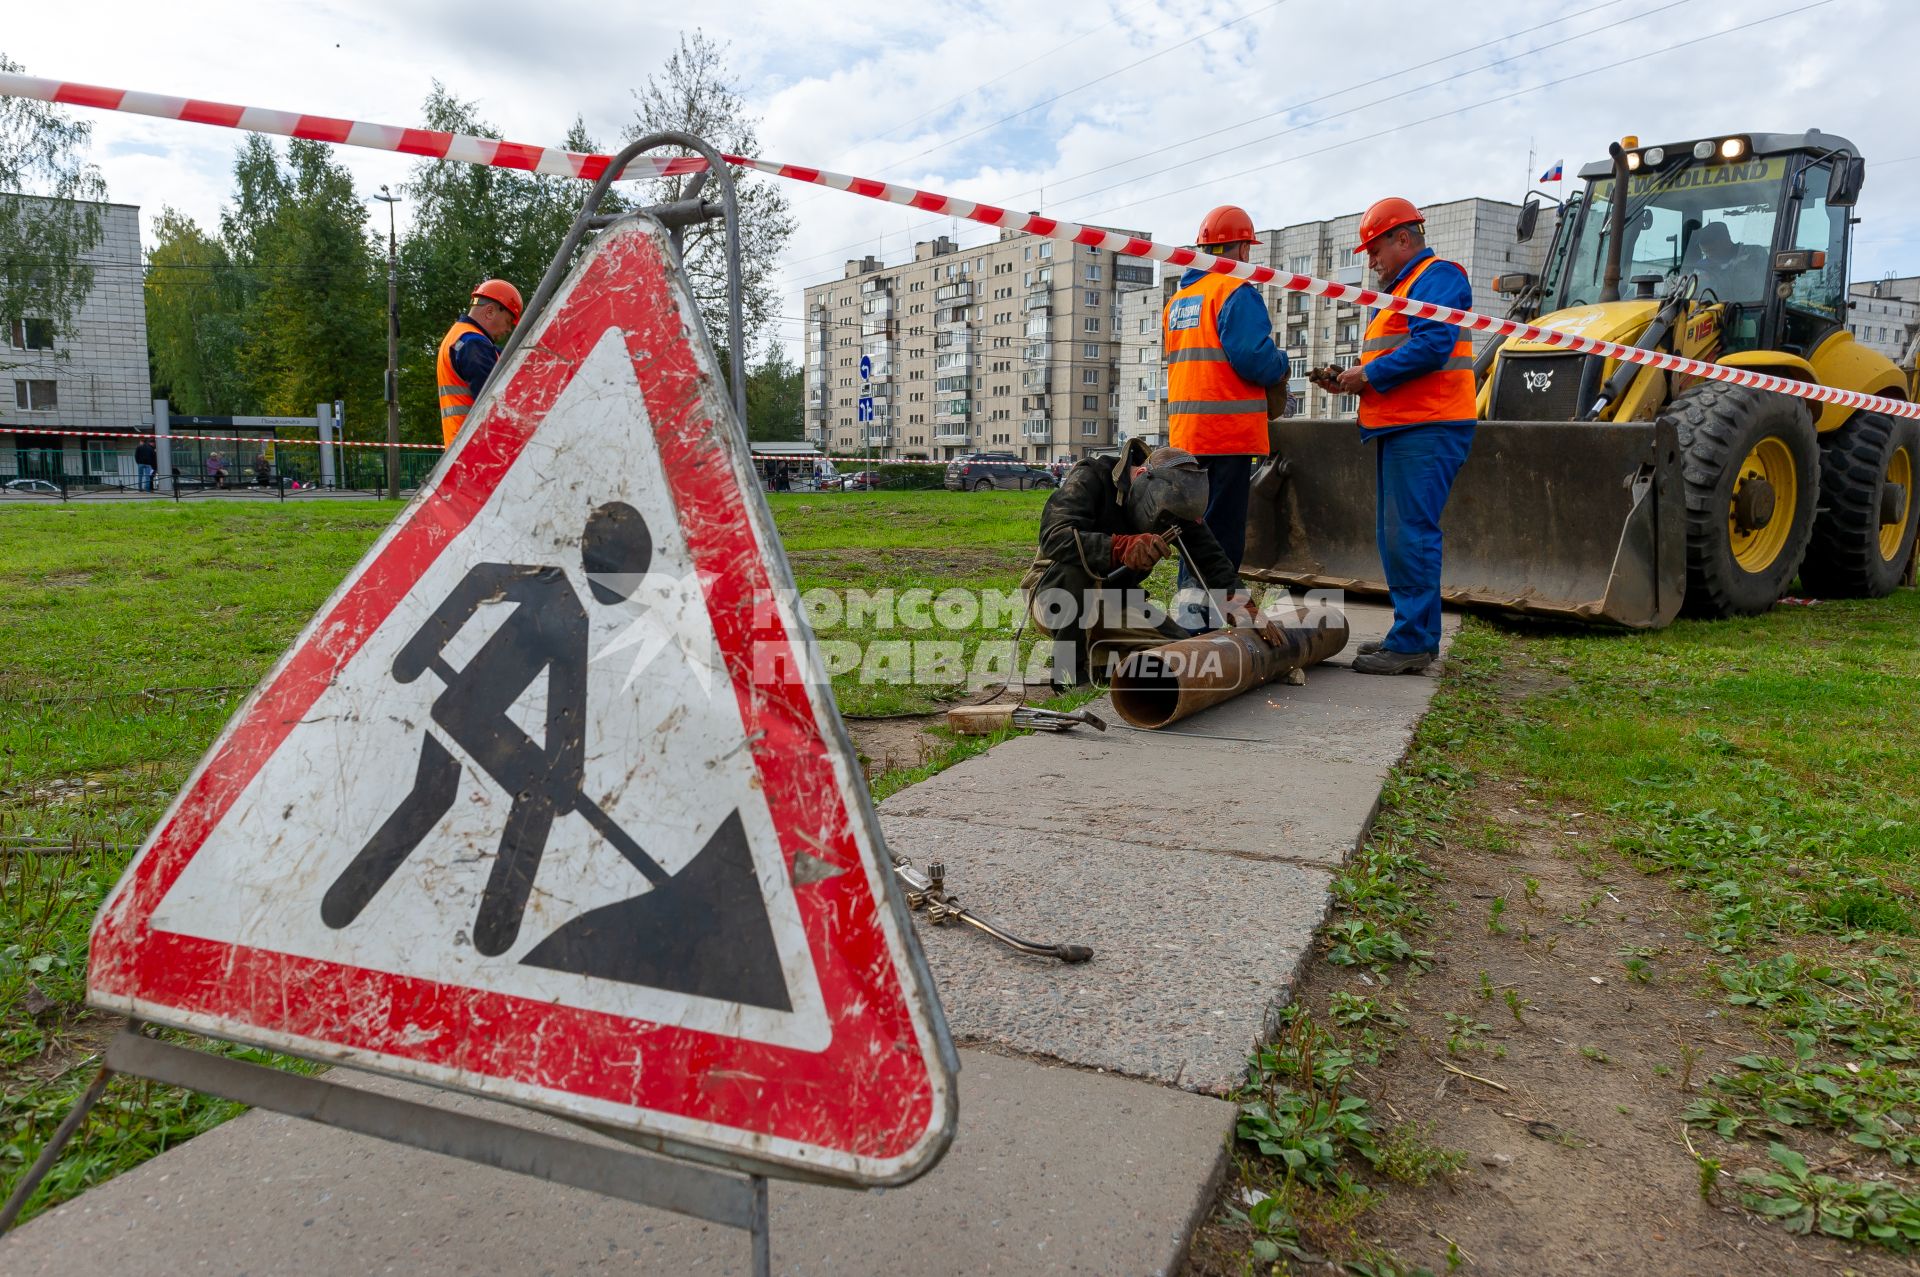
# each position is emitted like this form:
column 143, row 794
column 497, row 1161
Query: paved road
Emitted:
column 1090, row 1133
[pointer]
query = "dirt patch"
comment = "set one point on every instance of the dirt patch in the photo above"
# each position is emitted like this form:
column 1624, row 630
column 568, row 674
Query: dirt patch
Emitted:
column 1576, row 1158
column 887, row 743
column 959, row 562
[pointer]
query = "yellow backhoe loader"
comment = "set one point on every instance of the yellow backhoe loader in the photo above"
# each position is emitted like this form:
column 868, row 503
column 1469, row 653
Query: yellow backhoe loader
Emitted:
column 1603, row 491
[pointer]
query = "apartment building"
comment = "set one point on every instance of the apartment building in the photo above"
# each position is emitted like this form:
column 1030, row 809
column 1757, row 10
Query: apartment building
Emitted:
column 95, row 378
column 1141, row 377
column 1009, row 346
column 1885, row 314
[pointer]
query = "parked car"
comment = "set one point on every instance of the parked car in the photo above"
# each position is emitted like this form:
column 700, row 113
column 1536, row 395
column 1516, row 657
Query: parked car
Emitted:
column 33, row 487
column 861, row 481
column 984, row 470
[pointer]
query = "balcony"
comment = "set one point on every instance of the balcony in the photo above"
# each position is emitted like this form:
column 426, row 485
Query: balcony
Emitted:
column 1038, row 428
column 1038, row 353
column 952, row 339
column 950, row 436
column 954, row 410
column 958, row 291
column 949, row 315
column 878, row 436
column 1038, row 300
column 872, row 286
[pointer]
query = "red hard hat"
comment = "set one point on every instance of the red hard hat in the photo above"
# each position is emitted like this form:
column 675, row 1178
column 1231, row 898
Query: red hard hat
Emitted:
column 1386, row 215
column 499, row 290
column 1228, row 224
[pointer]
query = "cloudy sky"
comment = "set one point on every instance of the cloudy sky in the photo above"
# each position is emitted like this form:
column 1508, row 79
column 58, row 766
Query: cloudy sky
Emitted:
column 1136, row 113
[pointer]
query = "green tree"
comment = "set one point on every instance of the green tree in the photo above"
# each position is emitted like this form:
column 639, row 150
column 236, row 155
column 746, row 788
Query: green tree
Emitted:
column 694, row 94
column 314, row 322
column 44, row 239
column 773, row 398
column 196, row 313
column 470, row 222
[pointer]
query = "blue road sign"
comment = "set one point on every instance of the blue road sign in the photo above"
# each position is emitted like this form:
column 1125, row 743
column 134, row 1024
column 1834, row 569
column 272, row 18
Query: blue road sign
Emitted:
column 866, row 367
column 866, row 407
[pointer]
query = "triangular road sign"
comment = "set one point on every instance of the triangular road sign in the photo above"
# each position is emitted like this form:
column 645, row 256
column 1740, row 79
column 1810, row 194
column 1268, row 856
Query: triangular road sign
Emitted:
column 550, row 801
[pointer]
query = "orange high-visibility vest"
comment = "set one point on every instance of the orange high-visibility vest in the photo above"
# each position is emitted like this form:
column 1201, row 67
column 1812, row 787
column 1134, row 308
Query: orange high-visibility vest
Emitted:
column 1211, row 409
column 1445, row 394
column 455, row 399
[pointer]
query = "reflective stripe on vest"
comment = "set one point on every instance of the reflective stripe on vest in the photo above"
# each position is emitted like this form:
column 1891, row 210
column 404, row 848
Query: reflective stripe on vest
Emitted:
column 1211, row 409
column 1445, row 394
column 455, row 398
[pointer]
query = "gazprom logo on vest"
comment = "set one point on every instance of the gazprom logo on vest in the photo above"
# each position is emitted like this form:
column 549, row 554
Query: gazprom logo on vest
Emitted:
column 1185, row 313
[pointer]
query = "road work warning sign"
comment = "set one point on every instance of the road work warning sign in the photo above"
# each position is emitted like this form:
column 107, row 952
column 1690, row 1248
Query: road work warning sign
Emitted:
column 549, row 803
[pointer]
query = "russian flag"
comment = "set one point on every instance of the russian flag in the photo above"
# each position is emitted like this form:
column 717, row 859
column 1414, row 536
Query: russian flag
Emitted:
column 1554, row 174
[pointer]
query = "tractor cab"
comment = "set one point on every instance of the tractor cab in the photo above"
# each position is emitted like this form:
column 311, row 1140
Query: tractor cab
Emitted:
column 1757, row 223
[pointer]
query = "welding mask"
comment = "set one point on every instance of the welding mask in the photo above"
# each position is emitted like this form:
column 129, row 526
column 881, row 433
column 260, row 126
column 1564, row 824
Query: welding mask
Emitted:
column 1171, row 489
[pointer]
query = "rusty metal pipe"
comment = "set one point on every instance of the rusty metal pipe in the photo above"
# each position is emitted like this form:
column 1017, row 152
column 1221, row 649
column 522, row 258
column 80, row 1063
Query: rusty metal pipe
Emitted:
column 1163, row 685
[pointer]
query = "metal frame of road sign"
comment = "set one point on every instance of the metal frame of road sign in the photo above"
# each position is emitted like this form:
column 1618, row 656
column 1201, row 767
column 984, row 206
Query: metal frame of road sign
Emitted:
column 678, row 1182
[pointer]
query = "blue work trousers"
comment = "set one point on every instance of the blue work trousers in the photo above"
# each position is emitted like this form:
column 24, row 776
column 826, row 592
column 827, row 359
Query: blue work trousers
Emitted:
column 1228, row 482
column 1413, row 471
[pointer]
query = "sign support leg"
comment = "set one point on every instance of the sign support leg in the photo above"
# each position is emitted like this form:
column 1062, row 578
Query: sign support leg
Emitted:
column 69, row 1125
column 664, row 1183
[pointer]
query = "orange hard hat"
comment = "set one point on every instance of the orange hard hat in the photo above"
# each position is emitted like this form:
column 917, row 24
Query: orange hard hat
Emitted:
column 1386, row 215
column 1228, row 224
column 499, row 290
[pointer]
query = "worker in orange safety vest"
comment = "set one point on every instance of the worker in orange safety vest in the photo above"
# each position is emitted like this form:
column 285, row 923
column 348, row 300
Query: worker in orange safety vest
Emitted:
column 470, row 350
column 1415, row 383
column 1220, row 359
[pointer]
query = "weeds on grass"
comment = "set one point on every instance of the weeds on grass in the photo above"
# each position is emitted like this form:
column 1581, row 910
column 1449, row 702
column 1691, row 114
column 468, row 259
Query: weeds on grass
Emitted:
column 1806, row 1201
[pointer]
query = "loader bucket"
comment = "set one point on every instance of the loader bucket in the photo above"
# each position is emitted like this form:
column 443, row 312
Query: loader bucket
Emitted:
column 1577, row 520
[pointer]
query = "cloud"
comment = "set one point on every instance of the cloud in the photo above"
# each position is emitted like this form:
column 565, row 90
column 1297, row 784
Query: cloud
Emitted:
column 955, row 97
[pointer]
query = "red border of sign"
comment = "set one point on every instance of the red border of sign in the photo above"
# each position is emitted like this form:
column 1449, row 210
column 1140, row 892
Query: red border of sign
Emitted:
column 870, row 1094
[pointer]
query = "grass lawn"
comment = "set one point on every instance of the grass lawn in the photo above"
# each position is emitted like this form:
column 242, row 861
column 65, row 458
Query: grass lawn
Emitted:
column 131, row 633
column 1652, row 900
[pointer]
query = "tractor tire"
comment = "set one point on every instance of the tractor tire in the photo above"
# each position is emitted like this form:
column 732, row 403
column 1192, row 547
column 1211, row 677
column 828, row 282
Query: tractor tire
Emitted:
column 1863, row 535
column 1750, row 464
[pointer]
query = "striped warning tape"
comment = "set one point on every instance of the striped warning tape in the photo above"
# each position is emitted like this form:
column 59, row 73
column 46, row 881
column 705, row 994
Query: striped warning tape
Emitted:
column 174, row 434
column 474, row 150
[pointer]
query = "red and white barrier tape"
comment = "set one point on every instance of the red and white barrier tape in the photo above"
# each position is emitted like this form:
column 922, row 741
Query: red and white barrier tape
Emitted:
column 536, row 159
column 172, row 434
column 430, row 143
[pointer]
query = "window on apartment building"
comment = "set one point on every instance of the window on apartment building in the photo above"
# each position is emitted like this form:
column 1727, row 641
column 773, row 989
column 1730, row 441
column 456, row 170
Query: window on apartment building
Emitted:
column 1140, row 413
column 1146, row 326
column 1090, row 403
column 1093, row 270
column 1089, row 376
column 1300, row 263
column 31, row 334
column 1090, row 350
column 1090, row 427
column 1093, row 323
column 36, row 394
column 1046, row 250
column 1142, row 387
column 1093, row 297
column 103, row 456
column 1029, row 253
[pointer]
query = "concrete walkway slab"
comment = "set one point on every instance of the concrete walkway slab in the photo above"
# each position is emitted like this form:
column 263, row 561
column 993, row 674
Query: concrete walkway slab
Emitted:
column 1054, row 1171
column 1191, row 949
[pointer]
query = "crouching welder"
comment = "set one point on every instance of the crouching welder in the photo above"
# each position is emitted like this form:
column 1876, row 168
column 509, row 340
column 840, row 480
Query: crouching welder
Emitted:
column 1101, row 534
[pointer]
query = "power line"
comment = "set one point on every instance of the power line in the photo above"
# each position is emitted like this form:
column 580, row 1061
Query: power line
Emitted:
column 1505, row 97
column 1066, row 93
column 1310, row 102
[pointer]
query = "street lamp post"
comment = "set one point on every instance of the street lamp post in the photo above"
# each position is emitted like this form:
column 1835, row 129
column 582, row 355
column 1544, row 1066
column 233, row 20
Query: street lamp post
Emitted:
column 393, row 349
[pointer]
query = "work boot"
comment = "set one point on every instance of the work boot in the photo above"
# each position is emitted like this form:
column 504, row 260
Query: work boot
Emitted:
column 1389, row 662
column 1368, row 648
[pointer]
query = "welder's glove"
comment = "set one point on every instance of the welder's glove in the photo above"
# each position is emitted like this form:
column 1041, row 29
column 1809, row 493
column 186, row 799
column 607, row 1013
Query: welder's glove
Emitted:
column 1139, row 550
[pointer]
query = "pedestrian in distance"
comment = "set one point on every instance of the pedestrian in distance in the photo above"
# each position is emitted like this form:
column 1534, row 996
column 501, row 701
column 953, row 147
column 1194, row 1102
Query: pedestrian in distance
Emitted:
column 1220, row 359
column 216, row 471
column 146, row 460
column 1415, row 383
column 470, row 350
column 262, row 471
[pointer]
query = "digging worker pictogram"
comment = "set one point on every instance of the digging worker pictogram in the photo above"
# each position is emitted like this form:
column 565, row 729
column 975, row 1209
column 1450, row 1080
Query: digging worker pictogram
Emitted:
column 470, row 350
column 704, row 930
